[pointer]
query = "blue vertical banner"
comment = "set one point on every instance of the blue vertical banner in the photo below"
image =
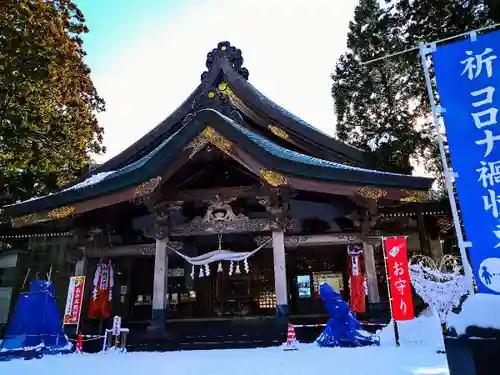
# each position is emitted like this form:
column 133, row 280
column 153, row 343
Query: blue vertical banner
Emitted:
column 468, row 82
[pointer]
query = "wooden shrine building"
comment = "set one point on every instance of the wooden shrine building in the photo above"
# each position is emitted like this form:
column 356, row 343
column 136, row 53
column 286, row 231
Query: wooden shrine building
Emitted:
column 231, row 170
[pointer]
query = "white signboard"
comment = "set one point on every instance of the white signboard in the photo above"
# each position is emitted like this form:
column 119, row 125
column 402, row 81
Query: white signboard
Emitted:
column 117, row 326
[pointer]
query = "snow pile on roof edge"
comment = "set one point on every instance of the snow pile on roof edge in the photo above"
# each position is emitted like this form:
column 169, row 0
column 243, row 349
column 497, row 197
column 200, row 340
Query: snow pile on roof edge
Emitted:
column 480, row 310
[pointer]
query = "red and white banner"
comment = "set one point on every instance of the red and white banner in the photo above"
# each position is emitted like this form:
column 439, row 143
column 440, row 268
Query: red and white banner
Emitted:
column 399, row 278
column 356, row 279
column 74, row 300
column 102, row 293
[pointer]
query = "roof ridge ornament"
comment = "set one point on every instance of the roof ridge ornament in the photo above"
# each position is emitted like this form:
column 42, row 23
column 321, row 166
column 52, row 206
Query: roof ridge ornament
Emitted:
column 233, row 56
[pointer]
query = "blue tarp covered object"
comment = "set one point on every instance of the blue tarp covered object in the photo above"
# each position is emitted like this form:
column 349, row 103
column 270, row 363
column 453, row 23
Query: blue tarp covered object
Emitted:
column 342, row 328
column 35, row 325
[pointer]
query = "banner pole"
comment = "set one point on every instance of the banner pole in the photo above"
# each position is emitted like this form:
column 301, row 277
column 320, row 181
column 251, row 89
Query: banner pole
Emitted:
column 395, row 324
column 424, row 50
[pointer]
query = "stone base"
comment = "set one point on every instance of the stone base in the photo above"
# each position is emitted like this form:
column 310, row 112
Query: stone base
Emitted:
column 376, row 312
column 158, row 323
column 282, row 310
column 213, row 334
column 282, row 317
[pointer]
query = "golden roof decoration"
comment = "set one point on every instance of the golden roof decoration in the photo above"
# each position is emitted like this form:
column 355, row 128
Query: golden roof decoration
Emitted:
column 371, row 193
column 60, row 212
column 209, row 135
column 22, row 220
column 413, row 196
column 276, row 130
column 148, row 186
column 224, row 88
column 273, row 178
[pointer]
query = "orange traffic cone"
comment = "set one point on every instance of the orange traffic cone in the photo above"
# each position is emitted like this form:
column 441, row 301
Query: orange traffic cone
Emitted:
column 79, row 343
column 291, row 339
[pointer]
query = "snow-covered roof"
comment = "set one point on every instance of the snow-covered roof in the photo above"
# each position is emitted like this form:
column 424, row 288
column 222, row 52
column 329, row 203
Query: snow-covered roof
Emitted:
column 151, row 164
column 480, row 310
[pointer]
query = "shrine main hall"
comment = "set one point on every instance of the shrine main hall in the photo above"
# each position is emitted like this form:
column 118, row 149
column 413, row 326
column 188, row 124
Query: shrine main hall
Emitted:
column 225, row 217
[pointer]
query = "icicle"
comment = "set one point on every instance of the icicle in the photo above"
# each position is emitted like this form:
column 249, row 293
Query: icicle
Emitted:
column 231, row 265
column 201, row 272
column 245, row 264
column 192, row 272
column 219, row 267
column 207, row 270
column 238, row 271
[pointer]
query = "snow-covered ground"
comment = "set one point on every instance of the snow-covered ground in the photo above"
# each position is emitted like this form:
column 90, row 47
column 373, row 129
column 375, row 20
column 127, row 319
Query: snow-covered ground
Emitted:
column 420, row 339
column 309, row 359
column 422, row 331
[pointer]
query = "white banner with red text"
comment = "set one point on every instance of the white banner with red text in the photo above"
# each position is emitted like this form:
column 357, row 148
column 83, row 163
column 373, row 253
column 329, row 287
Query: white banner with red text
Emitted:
column 74, row 300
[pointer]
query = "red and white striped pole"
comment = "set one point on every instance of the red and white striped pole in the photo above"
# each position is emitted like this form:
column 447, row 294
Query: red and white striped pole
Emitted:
column 79, row 342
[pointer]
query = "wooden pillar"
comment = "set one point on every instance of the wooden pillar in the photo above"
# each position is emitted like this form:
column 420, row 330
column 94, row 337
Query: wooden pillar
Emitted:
column 160, row 278
column 81, row 265
column 160, row 286
column 280, row 281
column 371, row 273
column 277, row 204
column 422, row 232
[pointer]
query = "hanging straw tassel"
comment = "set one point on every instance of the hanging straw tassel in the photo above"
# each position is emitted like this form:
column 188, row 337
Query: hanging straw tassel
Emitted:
column 207, row 270
column 245, row 264
column 231, row 266
column 201, row 272
column 192, row 272
column 219, row 267
column 238, row 271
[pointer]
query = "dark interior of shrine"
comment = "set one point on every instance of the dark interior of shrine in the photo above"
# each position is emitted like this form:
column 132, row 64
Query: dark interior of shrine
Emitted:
column 221, row 295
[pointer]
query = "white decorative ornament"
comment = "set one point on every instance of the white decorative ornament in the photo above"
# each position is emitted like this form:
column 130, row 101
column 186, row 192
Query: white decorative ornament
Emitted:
column 245, row 264
column 238, row 271
column 231, row 266
column 219, row 267
column 201, row 272
column 207, row 270
column 440, row 285
column 192, row 272
column 218, row 256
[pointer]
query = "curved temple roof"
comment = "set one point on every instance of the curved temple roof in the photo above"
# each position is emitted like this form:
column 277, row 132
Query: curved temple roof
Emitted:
column 224, row 63
column 207, row 106
column 274, row 157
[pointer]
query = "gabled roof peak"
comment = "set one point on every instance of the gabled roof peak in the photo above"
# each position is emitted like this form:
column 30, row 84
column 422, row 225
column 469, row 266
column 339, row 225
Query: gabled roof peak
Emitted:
column 229, row 52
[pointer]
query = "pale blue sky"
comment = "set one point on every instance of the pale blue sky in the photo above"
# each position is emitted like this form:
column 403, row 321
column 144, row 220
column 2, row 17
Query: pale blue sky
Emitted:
column 115, row 22
column 147, row 56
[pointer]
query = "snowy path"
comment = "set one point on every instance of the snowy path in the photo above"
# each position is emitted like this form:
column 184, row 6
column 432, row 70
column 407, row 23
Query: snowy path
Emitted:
column 270, row 361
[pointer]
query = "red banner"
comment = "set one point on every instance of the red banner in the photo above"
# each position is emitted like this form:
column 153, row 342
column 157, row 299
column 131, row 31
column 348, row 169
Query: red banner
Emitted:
column 74, row 300
column 102, row 294
column 399, row 278
column 356, row 279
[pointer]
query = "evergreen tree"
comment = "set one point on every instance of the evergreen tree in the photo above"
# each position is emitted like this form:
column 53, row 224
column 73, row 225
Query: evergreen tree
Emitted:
column 387, row 99
column 48, row 103
column 374, row 112
column 493, row 9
